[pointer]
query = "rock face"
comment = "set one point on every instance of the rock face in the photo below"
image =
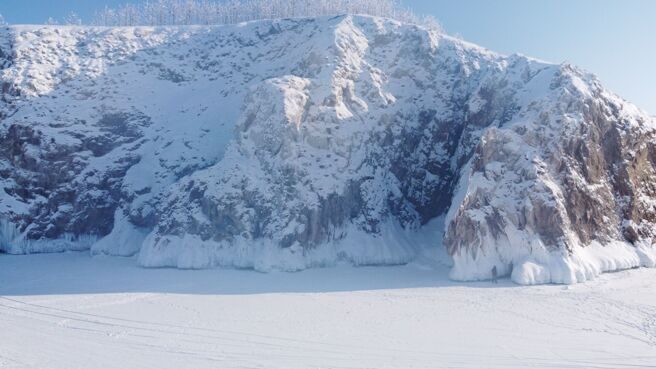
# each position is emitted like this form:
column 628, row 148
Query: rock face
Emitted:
column 297, row 143
column 558, row 196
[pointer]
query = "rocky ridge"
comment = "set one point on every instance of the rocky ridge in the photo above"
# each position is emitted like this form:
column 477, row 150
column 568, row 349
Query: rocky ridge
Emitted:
column 287, row 144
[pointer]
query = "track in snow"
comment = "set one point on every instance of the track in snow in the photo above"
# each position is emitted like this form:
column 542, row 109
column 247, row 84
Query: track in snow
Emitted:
column 73, row 311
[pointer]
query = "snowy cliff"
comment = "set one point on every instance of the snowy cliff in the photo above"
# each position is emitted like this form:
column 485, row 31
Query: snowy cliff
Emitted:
column 287, row 144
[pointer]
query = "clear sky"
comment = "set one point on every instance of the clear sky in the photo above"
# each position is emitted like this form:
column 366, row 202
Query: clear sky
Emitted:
column 615, row 39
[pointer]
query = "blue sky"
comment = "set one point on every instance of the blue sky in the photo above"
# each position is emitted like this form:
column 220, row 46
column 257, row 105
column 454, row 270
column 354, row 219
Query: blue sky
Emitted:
column 615, row 39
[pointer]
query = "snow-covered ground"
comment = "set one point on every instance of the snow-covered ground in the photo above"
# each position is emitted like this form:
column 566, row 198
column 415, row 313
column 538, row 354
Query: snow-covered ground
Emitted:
column 72, row 311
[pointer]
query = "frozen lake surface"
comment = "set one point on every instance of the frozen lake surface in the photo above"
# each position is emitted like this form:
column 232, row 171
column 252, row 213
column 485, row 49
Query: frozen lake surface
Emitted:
column 67, row 311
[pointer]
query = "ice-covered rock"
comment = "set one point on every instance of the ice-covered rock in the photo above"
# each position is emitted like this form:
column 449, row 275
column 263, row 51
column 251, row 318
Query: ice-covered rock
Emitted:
column 574, row 169
column 287, row 144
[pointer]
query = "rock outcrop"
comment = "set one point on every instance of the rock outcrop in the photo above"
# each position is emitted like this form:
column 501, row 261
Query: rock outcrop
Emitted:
column 297, row 143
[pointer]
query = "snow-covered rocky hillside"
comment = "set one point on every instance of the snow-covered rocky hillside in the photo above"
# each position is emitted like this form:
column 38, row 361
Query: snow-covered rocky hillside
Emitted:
column 287, row 144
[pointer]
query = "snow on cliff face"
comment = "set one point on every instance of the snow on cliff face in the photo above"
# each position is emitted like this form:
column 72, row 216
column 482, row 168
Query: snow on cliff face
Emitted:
column 297, row 143
column 561, row 193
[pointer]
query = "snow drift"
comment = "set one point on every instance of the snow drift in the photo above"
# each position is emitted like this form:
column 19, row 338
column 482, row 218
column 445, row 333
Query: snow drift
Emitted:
column 288, row 144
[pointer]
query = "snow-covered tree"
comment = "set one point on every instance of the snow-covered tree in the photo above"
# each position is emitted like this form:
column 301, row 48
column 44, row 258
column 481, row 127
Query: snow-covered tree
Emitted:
column 72, row 19
column 2, row 21
column 188, row 12
column 51, row 21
